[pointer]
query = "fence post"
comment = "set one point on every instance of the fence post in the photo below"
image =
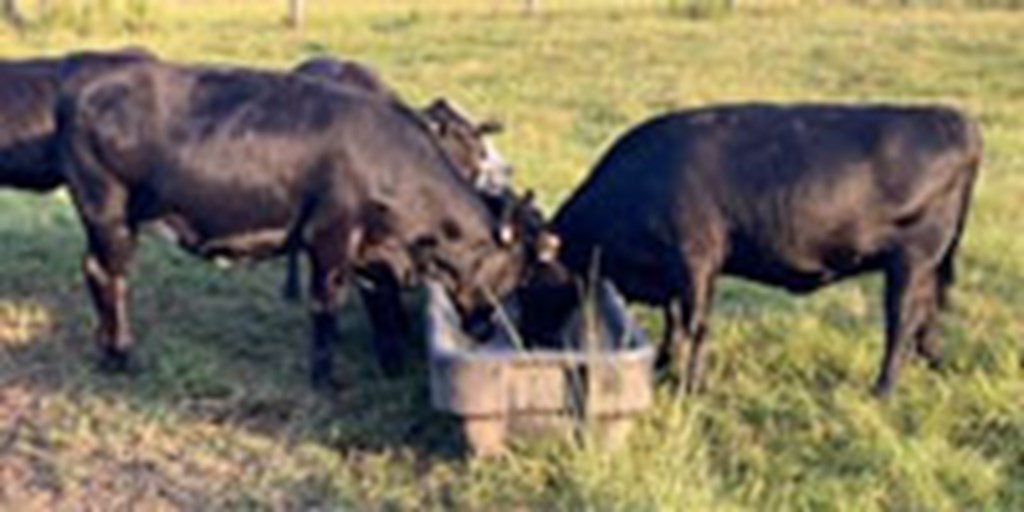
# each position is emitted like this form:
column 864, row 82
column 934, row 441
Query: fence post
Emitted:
column 296, row 13
column 11, row 14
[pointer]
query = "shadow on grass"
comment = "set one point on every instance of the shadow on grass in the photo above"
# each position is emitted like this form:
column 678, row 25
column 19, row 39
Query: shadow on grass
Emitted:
column 216, row 346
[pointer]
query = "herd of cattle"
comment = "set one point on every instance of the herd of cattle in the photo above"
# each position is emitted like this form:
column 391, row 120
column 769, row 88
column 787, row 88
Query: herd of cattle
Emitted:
column 326, row 161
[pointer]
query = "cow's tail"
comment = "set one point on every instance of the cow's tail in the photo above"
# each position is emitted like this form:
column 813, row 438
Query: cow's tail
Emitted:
column 972, row 142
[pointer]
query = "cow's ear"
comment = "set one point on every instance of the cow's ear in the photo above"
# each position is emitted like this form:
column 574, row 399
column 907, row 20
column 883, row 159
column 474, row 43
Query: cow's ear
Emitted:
column 490, row 127
column 436, row 117
column 548, row 246
column 506, row 228
column 527, row 200
column 521, row 208
column 506, row 234
column 439, row 105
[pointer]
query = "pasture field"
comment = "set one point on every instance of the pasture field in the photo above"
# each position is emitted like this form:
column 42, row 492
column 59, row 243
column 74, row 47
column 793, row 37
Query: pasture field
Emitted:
column 222, row 417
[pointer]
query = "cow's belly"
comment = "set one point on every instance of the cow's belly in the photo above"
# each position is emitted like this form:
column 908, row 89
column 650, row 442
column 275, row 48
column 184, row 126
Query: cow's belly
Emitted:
column 244, row 244
column 801, row 270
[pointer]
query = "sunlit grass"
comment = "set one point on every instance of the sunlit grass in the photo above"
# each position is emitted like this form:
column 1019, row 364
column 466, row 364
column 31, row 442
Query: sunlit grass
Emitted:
column 20, row 324
column 222, row 417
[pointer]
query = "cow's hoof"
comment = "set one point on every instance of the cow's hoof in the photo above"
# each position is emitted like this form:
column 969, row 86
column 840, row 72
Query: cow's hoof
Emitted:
column 120, row 362
column 291, row 292
column 663, row 361
column 881, row 390
column 931, row 359
column 666, row 375
column 325, row 384
column 392, row 367
column 935, row 364
column 691, row 388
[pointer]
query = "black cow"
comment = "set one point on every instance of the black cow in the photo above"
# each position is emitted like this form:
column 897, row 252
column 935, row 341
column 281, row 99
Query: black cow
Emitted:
column 464, row 140
column 243, row 164
column 28, row 94
column 796, row 197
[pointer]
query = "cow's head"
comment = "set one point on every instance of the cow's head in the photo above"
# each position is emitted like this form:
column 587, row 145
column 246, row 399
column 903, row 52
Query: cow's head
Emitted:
column 466, row 143
column 528, row 250
column 521, row 246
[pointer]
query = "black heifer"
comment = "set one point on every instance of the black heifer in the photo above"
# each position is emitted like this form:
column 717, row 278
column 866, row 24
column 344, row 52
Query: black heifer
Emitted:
column 796, row 197
column 240, row 164
column 28, row 94
column 463, row 140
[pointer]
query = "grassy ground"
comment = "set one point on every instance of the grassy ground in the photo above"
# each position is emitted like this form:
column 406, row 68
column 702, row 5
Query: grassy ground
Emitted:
column 222, row 418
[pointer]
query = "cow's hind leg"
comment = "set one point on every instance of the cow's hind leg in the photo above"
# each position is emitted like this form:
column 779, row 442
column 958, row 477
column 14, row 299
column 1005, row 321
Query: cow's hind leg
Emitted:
column 105, row 267
column 925, row 342
column 910, row 305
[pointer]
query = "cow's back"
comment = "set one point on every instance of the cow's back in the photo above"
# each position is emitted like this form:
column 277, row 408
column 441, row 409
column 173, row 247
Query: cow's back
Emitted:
column 208, row 142
column 774, row 188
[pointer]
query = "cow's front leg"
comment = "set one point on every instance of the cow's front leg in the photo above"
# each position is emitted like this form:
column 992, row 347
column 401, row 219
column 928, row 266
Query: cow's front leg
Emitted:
column 696, row 330
column 382, row 299
column 673, row 338
column 105, row 270
column 329, row 272
column 327, row 285
column 292, row 288
column 925, row 343
column 692, row 310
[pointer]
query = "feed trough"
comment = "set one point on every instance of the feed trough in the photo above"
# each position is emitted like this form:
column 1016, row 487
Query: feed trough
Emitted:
column 500, row 390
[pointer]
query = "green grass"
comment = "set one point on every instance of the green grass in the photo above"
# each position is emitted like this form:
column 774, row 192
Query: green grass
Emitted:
column 222, row 417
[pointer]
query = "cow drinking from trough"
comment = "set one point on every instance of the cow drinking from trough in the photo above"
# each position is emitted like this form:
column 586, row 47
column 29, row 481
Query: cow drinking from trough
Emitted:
column 240, row 164
column 465, row 141
column 796, row 197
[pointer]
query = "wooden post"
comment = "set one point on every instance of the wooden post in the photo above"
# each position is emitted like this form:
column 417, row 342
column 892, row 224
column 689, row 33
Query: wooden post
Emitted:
column 43, row 8
column 11, row 14
column 296, row 13
column 532, row 6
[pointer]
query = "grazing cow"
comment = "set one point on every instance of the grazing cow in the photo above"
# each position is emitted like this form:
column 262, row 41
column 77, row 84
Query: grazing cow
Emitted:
column 796, row 197
column 28, row 94
column 243, row 164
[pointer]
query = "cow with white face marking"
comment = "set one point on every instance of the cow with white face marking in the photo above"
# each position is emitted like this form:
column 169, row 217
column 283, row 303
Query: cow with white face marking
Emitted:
column 469, row 146
column 465, row 140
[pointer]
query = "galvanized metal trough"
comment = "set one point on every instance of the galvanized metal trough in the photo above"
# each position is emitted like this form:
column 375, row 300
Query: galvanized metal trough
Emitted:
column 500, row 390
